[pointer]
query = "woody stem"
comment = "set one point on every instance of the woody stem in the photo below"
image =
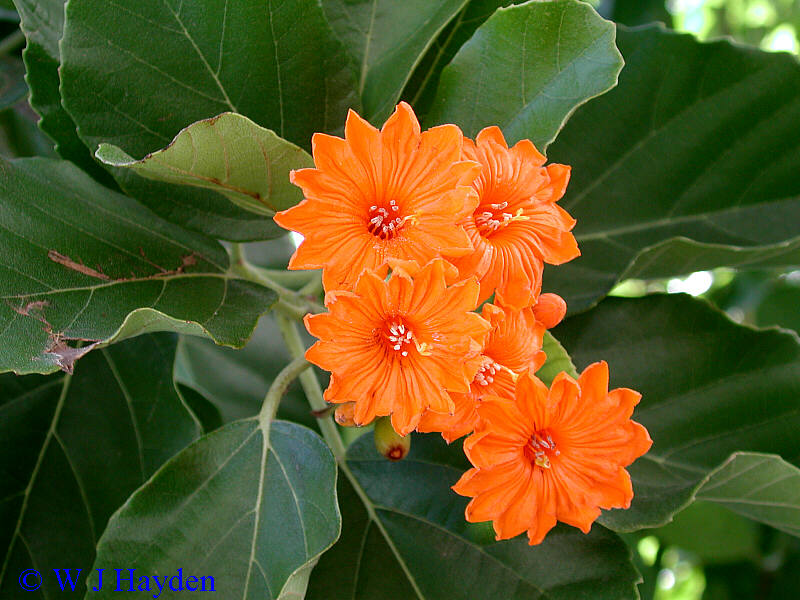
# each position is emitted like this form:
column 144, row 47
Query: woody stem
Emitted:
column 279, row 386
column 312, row 388
column 294, row 304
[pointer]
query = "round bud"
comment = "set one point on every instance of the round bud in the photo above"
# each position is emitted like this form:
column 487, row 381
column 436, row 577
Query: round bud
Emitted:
column 550, row 310
column 388, row 442
column 345, row 414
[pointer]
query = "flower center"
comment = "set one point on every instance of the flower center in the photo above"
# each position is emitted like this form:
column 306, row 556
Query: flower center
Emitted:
column 385, row 221
column 541, row 448
column 400, row 338
column 492, row 218
column 486, row 373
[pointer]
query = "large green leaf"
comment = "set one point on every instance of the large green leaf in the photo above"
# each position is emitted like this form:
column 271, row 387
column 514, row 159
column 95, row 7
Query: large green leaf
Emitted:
column 228, row 153
column 763, row 487
column 526, row 69
column 42, row 21
column 257, row 500
column 84, row 263
column 136, row 77
column 710, row 388
column 699, row 171
column 387, row 38
column 412, row 541
column 421, row 87
column 73, row 447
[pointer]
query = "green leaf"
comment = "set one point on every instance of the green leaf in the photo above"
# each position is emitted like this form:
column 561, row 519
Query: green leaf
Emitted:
column 258, row 501
column 526, row 69
column 19, row 135
column 710, row 388
column 386, row 39
column 763, row 487
column 699, row 171
column 228, row 153
column 12, row 82
column 411, row 541
column 42, row 21
column 85, row 263
column 236, row 381
column 558, row 360
column 136, row 77
column 421, row 87
column 779, row 304
column 73, row 447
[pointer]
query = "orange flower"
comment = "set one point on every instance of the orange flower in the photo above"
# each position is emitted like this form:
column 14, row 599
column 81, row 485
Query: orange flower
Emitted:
column 517, row 226
column 552, row 455
column 393, row 193
column 513, row 346
column 397, row 346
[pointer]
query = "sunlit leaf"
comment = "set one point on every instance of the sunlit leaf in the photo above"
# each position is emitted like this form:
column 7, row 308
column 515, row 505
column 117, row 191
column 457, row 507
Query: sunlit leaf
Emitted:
column 526, row 69
column 228, row 153
column 557, row 360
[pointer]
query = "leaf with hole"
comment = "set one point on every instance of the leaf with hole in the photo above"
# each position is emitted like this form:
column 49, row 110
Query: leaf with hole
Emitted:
column 84, row 263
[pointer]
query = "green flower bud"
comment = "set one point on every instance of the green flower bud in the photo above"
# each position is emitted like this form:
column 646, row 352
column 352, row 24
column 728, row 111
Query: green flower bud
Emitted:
column 388, row 442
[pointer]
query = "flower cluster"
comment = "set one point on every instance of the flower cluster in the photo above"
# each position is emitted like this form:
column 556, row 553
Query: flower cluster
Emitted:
column 413, row 231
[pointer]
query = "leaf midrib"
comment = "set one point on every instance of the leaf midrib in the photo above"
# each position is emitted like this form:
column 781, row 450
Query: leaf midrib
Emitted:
column 373, row 517
column 88, row 288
